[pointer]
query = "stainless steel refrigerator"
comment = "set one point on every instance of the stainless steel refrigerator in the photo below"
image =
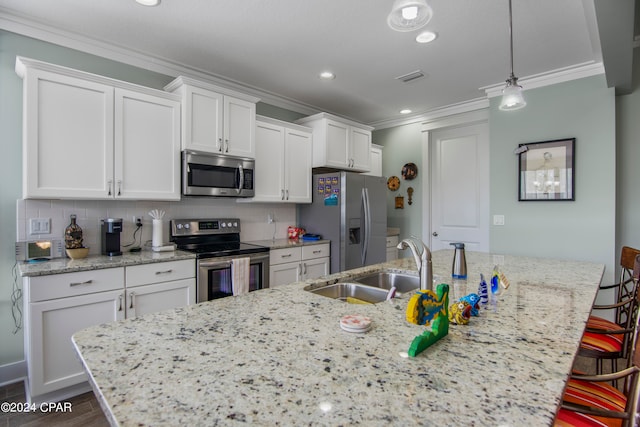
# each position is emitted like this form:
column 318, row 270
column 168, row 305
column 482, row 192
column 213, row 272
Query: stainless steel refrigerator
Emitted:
column 349, row 209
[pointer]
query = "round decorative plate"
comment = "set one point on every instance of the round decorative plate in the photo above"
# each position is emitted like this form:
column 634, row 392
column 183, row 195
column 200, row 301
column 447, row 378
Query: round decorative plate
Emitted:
column 409, row 171
column 393, row 183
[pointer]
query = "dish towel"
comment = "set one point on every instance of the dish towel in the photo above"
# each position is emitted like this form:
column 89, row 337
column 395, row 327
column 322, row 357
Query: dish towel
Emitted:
column 240, row 275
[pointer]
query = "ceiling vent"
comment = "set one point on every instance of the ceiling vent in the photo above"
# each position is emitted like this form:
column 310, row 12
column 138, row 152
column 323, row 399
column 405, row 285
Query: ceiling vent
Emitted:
column 412, row 76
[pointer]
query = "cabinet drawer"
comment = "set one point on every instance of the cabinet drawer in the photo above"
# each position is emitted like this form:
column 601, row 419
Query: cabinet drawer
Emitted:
column 315, row 251
column 55, row 286
column 159, row 272
column 392, row 241
column 278, row 256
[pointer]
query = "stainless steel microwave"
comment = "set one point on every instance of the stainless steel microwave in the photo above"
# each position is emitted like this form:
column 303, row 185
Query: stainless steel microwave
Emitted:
column 209, row 174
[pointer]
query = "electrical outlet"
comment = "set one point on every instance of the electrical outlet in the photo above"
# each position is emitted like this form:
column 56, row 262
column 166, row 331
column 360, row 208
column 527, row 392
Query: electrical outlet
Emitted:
column 270, row 218
column 498, row 220
column 138, row 222
column 39, row 226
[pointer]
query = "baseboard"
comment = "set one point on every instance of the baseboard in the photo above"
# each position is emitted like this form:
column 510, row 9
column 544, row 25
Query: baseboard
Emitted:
column 13, row 372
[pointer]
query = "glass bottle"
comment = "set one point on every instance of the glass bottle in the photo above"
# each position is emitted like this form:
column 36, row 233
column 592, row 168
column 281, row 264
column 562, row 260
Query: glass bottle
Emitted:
column 73, row 235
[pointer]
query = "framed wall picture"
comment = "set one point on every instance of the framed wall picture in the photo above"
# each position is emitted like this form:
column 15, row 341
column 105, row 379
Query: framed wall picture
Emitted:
column 547, row 170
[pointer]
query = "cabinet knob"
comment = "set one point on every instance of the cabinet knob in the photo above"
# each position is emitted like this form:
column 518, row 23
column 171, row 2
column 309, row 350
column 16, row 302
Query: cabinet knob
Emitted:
column 434, row 234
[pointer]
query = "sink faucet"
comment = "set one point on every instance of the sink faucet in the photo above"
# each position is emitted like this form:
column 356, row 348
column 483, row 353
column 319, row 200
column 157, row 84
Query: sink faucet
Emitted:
column 423, row 261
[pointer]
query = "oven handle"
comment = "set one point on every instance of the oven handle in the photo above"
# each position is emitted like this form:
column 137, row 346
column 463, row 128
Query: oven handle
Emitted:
column 217, row 263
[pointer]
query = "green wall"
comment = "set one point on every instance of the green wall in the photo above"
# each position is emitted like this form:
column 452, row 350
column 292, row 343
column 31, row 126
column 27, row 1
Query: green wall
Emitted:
column 403, row 144
column 583, row 229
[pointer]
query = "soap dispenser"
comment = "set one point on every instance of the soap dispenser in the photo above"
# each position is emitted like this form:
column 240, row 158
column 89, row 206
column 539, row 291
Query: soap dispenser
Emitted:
column 459, row 268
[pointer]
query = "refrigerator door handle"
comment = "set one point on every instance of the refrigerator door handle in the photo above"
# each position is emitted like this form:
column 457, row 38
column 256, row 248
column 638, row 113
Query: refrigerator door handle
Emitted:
column 367, row 224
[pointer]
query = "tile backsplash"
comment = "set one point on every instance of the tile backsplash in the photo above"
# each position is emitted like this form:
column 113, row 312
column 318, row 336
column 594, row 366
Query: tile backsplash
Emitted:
column 253, row 217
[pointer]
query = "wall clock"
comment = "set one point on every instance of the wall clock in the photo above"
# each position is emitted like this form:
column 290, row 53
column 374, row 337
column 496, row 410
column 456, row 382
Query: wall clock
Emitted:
column 393, row 183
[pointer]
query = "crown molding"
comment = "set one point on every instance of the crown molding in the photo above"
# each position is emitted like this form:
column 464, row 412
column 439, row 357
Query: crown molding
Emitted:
column 552, row 77
column 41, row 31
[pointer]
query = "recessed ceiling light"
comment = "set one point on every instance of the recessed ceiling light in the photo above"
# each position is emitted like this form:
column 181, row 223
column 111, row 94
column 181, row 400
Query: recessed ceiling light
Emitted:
column 426, row 37
column 327, row 75
column 148, row 2
column 405, row 111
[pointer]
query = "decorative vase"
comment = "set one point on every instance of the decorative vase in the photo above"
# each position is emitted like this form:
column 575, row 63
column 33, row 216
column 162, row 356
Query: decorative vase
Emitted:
column 73, row 235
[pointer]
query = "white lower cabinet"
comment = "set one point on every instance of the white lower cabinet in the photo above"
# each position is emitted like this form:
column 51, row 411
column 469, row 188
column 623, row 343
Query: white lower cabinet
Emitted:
column 298, row 263
column 59, row 305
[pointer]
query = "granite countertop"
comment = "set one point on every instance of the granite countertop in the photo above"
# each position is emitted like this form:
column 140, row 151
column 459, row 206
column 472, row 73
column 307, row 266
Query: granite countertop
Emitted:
column 278, row 356
column 97, row 262
column 287, row 243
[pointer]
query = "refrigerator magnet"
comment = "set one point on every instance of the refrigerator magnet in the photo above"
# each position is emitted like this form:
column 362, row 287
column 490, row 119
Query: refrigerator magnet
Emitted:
column 331, row 200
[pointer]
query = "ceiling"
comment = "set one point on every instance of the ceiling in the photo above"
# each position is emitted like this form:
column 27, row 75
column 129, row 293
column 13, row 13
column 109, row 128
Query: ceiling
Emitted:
column 277, row 48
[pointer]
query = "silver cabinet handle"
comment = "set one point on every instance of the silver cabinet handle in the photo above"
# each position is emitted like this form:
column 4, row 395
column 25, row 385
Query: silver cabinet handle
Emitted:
column 109, row 185
column 285, row 256
column 219, row 144
column 132, row 295
column 164, row 272
column 226, row 145
column 120, row 302
column 317, row 252
column 305, row 268
column 119, row 187
column 287, row 191
column 86, row 282
column 282, row 194
column 299, row 269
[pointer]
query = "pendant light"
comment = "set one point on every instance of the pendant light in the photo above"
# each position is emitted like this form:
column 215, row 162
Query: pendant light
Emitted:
column 512, row 98
column 409, row 15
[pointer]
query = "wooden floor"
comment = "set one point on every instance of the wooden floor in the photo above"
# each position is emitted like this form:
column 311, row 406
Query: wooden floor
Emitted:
column 85, row 411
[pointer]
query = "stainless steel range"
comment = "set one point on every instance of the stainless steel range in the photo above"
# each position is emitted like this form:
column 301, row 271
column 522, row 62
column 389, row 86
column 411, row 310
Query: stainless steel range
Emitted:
column 216, row 243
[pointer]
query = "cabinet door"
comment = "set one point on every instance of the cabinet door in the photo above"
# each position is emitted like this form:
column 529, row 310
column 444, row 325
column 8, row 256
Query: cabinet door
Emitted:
column 270, row 169
column 314, row 268
column 337, row 137
column 360, row 149
column 376, row 162
column 68, row 137
column 147, row 146
column 202, row 120
column 297, row 169
column 239, row 127
column 51, row 359
column 160, row 296
column 282, row 274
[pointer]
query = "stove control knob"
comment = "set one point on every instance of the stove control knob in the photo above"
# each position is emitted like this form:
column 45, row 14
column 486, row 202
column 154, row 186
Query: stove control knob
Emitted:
column 187, row 226
column 224, row 224
column 179, row 226
column 228, row 224
column 235, row 224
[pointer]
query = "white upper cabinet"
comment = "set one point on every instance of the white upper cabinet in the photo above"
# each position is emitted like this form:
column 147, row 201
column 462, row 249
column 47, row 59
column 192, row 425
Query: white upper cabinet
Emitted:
column 283, row 162
column 90, row 137
column 339, row 143
column 214, row 119
column 376, row 161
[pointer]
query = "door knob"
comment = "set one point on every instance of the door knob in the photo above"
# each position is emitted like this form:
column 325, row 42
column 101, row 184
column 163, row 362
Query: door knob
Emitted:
column 434, row 234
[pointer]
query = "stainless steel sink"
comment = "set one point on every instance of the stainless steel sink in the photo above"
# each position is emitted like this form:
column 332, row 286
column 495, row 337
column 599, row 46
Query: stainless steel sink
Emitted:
column 342, row 291
column 386, row 280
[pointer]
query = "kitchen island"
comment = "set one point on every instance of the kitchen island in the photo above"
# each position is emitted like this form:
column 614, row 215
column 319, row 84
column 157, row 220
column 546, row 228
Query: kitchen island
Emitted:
column 278, row 356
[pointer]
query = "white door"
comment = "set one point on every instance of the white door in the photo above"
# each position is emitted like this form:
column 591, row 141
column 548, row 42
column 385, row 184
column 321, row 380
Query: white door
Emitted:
column 459, row 163
column 297, row 173
column 160, row 296
column 68, row 136
column 239, row 127
column 147, row 146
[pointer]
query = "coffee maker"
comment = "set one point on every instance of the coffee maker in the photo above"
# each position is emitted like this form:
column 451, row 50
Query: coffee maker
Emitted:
column 110, row 229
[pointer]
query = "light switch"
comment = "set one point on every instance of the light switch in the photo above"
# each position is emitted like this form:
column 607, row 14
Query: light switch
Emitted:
column 498, row 220
column 39, row 226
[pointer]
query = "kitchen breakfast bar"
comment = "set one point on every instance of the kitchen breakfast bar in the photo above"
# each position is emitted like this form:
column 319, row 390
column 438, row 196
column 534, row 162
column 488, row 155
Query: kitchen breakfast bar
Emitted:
column 279, row 357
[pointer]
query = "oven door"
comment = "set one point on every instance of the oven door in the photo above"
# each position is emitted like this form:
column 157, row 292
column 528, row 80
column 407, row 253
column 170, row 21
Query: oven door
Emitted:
column 205, row 174
column 214, row 278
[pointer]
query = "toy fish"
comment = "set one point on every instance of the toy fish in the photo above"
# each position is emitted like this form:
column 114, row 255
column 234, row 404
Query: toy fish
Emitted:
column 495, row 280
column 483, row 291
column 436, row 305
column 424, row 306
column 460, row 313
column 474, row 302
